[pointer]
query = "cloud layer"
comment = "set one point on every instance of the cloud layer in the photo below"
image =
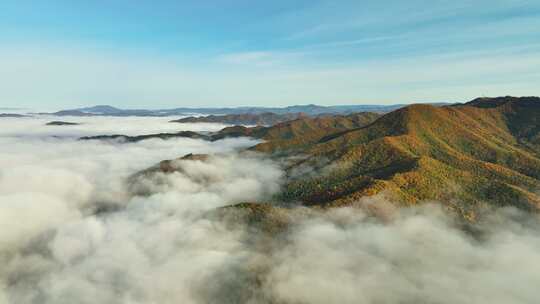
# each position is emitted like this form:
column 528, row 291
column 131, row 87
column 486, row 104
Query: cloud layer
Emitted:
column 73, row 233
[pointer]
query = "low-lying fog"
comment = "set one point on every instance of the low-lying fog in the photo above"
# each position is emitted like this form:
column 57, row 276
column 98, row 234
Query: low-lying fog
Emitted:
column 161, row 248
column 98, row 125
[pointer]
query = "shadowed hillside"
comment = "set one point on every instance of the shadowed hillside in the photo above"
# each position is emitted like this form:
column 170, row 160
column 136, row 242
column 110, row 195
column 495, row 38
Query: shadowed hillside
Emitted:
column 262, row 119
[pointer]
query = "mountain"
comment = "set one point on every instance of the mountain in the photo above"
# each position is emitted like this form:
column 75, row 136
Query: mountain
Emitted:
column 300, row 133
column 469, row 157
column 61, row 123
column 308, row 129
column 104, row 110
column 71, row 113
column 310, row 110
column 101, row 109
column 521, row 115
column 11, row 115
column 130, row 139
column 492, row 102
column 263, row 119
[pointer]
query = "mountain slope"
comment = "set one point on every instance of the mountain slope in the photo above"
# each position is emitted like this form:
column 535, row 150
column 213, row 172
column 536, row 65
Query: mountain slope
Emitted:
column 469, row 157
column 263, row 119
column 473, row 154
column 290, row 133
column 301, row 133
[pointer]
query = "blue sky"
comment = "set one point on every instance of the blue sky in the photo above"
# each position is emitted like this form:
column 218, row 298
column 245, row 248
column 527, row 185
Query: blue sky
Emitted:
column 155, row 54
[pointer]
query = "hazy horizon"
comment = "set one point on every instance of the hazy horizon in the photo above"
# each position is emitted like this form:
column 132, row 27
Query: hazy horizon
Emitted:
column 51, row 110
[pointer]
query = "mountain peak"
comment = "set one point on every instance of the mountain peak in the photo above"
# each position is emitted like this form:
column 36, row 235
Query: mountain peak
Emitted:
column 493, row 102
column 100, row 109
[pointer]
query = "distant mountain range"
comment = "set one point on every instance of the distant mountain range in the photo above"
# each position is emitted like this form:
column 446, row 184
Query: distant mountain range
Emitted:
column 262, row 119
column 61, row 123
column 311, row 110
column 11, row 115
column 310, row 126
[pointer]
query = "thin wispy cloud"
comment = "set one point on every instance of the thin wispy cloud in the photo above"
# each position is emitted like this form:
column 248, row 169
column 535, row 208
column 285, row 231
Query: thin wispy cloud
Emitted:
column 75, row 79
column 355, row 42
column 260, row 58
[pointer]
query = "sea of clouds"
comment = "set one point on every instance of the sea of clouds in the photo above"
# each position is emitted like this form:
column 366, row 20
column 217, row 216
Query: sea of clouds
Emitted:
column 72, row 230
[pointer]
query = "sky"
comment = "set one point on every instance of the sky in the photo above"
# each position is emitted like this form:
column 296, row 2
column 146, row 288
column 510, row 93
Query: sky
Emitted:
column 163, row 54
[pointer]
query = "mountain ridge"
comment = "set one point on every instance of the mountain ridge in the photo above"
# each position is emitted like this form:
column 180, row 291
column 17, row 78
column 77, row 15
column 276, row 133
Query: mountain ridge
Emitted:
column 469, row 157
column 262, row 119
column 310, row 109
column 406, row 153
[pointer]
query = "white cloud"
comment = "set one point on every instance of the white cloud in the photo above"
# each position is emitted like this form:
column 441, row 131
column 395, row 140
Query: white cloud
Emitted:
column 164, row 247
column 419, row 256
column 54, row 249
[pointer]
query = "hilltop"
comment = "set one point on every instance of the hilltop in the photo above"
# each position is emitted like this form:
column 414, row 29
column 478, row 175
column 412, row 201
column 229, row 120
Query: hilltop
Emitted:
column 262, row 119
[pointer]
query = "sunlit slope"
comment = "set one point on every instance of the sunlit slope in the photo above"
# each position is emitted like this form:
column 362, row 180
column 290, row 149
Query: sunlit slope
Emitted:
column 301, row 133
column 467, row 156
